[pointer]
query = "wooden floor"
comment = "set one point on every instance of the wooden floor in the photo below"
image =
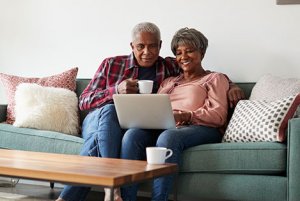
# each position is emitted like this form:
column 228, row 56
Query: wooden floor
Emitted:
column 44, row 193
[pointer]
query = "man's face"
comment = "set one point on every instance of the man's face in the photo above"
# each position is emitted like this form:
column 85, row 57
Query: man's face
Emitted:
column 146, row 49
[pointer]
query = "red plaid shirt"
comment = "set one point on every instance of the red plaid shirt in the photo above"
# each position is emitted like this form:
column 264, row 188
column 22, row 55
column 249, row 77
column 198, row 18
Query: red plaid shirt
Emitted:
column 114, row 70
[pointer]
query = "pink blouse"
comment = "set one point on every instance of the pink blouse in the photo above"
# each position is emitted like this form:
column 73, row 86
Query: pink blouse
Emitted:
column 205, row 98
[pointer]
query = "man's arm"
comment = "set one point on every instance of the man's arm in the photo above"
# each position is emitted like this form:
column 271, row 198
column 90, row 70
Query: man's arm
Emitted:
column 97, row 93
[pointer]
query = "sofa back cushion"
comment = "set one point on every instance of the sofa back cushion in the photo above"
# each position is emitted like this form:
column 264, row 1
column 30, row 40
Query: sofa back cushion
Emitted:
column 80, row 86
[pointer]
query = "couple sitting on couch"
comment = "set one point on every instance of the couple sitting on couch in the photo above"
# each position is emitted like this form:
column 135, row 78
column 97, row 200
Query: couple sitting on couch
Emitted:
column 199, row 100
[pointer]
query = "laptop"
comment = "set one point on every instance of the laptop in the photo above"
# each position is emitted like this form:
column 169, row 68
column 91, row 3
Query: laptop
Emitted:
column 146, row 111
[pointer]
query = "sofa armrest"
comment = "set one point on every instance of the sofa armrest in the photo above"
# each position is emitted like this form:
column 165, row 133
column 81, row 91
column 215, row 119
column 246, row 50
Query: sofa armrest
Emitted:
column 293, row 159
column 3, row 112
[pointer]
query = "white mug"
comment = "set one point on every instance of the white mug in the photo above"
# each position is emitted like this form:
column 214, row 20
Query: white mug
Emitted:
column 158, row 155
column 145, row 86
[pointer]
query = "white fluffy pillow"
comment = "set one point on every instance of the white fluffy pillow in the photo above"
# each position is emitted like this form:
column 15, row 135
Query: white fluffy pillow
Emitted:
column 46, row 108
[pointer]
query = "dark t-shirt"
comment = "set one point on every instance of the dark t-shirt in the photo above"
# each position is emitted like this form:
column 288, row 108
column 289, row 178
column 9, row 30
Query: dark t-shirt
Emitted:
column 149, row 73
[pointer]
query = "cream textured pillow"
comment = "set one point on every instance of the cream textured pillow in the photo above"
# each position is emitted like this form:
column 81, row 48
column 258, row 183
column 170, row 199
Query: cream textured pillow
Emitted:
column 65, row 79
column 270, row 88
column 257, row 121
column 46, row 108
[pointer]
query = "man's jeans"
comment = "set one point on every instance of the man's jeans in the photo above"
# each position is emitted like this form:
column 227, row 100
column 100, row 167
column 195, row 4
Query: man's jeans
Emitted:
column 102, row 134
column 134, row 145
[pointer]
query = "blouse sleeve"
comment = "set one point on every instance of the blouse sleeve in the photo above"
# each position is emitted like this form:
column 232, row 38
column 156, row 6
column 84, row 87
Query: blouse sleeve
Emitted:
column 214, row 110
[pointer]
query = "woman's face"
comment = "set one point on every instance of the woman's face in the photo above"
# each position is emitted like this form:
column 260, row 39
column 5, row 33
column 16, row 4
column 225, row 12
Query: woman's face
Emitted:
column 188, row 58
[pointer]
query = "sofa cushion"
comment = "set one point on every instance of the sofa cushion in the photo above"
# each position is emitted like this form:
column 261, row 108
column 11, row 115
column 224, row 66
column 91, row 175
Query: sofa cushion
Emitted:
column 65, row 79
column 236, row 158
column 46, row 108
column 258, row 121
column 233, row 187
column 38, row 140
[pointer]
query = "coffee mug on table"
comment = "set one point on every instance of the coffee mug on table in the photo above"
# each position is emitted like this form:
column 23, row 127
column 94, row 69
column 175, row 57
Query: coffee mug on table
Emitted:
column 158, row 155
column 145, row 86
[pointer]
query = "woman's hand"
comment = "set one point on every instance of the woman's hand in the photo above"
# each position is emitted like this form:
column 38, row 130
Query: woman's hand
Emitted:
column 182, row 117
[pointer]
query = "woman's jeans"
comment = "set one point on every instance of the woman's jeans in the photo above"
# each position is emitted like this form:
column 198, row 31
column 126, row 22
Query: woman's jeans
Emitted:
column 134, row 145
column 102, row 134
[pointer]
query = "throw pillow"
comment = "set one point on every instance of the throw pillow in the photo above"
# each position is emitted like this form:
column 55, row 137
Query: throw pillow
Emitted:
column 66, row 80
column 46, row 108
column 254, row 121
column 271, row 88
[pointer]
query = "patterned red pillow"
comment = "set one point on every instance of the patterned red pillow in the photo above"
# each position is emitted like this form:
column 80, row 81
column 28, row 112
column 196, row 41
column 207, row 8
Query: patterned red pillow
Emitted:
column 65, row 80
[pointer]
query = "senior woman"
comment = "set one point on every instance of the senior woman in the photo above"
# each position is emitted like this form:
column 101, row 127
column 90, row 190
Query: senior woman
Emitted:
column 199, row 103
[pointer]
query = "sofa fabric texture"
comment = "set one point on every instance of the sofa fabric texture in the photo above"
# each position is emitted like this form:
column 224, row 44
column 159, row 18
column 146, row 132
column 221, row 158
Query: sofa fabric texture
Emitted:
column 263, row 158
column 29, row 139
column 252, row 171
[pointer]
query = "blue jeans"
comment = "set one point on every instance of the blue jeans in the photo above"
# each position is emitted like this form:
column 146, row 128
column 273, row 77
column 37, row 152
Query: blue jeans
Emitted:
column 134, row 145
column 102, row 134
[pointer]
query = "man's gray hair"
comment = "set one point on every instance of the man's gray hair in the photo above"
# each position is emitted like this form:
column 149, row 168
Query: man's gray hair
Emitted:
column 190, row 37
column 145, row 27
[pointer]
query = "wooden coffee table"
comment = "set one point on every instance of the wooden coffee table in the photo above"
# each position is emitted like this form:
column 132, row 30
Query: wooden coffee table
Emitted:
column 79, row 170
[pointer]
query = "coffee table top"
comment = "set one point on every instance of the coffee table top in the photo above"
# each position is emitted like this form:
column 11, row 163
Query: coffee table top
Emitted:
column 76, row 169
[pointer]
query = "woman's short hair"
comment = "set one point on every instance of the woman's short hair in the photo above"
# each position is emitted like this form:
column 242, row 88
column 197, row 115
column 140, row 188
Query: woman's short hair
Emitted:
column 145, row 27
column 191, row 37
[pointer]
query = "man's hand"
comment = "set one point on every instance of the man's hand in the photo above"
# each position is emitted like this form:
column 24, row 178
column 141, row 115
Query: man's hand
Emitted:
column 234, row 95
column 128, row 86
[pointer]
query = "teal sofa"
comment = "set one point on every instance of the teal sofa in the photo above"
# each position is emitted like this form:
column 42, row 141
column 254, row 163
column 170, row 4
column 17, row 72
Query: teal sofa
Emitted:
column 263, row 171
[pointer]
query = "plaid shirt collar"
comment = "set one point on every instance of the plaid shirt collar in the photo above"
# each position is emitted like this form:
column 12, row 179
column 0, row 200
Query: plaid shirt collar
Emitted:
column 132, row 63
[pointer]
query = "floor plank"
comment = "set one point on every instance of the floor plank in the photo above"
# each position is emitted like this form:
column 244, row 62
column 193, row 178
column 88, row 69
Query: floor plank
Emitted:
column 44, row 193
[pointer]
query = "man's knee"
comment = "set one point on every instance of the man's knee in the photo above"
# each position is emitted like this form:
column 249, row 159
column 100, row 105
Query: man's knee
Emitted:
column 108, row 108
column 108, row 112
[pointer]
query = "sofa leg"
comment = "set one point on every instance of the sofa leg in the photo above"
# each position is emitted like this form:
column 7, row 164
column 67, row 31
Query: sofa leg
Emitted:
column 51, row 185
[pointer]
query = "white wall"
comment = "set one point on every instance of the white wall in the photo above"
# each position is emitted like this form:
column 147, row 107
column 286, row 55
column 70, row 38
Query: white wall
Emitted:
column 247, row 38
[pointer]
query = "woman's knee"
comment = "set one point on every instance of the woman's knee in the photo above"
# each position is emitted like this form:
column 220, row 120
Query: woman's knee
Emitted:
column 133, row 144
column 132, row 136
column 166, row 139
